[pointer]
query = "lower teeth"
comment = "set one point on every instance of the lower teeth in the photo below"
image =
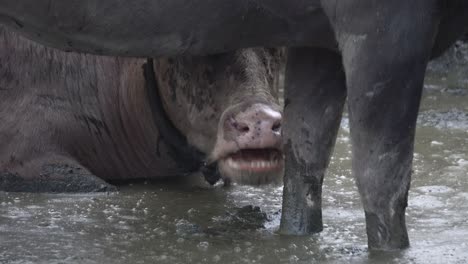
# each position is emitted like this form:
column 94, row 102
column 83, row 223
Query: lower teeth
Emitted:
column 251, row 164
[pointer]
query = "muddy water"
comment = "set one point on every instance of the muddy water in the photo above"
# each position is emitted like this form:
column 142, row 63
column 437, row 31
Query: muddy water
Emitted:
column 167, row 223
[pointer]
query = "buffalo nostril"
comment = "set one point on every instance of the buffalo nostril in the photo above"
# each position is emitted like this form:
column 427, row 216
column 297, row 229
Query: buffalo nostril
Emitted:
column 276, row 126
column 243, row 128
column 232, row 124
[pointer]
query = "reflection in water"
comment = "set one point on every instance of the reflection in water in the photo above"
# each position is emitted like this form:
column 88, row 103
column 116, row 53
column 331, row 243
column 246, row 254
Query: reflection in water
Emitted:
column 170, row 224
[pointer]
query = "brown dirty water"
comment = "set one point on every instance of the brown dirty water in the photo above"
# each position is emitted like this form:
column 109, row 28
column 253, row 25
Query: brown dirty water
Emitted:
column 167, row 223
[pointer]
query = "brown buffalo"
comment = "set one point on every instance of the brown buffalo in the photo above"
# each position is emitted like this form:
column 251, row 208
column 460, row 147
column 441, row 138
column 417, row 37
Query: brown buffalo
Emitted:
column 69, row 120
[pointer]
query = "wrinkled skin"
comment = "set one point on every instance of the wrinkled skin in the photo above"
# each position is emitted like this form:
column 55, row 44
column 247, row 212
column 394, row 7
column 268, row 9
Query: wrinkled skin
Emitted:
column 69, row 121
column 372, row 52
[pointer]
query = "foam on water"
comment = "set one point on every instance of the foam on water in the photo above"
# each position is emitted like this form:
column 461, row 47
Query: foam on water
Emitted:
column 451, row 119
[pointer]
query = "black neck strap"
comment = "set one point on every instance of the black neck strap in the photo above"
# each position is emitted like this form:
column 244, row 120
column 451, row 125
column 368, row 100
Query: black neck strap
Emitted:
column 186, row 156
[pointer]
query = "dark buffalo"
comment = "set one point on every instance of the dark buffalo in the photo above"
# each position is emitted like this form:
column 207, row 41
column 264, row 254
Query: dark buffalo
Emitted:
column 372, row 52
column 69, row 121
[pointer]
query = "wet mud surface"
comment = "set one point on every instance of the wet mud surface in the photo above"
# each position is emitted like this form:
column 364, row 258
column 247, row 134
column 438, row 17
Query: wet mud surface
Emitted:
column 168, row 223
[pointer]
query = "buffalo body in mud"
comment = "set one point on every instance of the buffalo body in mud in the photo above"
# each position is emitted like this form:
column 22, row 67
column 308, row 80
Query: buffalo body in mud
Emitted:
column 68, row 121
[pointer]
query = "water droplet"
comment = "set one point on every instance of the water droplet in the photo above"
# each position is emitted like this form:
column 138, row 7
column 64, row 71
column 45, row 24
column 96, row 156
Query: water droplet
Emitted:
column 216, row 258
column 203, row 245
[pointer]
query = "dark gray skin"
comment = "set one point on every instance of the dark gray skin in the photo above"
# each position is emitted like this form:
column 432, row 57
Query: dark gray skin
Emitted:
column 166, row 27
column 71, row 122
column 384, row 48
column 372, row 52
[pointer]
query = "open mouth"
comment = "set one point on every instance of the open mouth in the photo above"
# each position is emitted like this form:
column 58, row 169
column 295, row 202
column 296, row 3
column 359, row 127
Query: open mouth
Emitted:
column 255, row 160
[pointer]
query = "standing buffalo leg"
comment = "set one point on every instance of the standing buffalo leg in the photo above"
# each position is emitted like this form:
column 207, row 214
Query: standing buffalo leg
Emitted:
column 385, row 47
column 314, row 98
